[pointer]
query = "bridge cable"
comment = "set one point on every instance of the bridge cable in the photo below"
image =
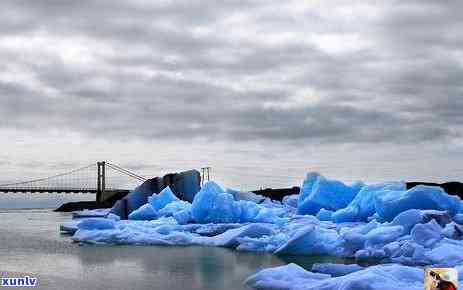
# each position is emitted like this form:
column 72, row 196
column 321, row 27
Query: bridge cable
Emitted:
column 126, row 172
column 48, row 178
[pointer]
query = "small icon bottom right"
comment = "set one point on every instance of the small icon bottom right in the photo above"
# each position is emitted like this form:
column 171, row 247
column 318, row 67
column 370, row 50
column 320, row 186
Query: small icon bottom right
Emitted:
column 440, row 279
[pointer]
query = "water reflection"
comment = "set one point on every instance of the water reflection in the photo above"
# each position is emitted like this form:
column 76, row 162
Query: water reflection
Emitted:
column 30, row 243
column 197, row 267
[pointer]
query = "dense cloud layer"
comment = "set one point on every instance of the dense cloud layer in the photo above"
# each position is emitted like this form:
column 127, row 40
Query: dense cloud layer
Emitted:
column 281, row 87
column 342, row 71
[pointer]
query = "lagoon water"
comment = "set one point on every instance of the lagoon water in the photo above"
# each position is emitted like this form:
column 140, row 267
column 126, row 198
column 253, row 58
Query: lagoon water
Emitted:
column 31, row 244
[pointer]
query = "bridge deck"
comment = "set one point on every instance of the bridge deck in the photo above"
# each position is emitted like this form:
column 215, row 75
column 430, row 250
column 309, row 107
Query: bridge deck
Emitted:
column 49, row 190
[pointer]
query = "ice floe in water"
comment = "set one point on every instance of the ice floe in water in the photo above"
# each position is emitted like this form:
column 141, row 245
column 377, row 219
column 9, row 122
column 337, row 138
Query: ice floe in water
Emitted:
column 385, row 222
column 381, row 277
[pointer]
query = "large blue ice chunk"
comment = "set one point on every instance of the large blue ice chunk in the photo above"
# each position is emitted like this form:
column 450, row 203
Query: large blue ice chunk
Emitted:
column 291, row 200
column 231, row 237
column 324, row 215
column 139, row 196
column 318, row 192
column 355, row 237
column 408, row 219
column 335, row 270
column 204, row 201
column 145, row 212
column 307, row 186
column 96, row 224
column 244, row 195
column 363, row 206
column 383, row 235
column 213, row 205
column 285, row 277
column 390, row 203
column 176, row 206
column 427, row 234
column 458, row 218
column 381, row 277
column 312, row 240
column 166, row 196
column 446, row 253
column 183, row 217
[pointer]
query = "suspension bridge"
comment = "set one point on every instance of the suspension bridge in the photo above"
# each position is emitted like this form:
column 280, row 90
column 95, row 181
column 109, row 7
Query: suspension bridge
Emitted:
column 101, row 178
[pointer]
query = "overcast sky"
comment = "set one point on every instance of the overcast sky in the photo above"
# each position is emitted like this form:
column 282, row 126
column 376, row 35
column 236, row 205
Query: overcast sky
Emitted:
column 262, row 91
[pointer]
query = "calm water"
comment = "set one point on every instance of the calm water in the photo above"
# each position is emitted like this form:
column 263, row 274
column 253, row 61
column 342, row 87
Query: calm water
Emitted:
column 30, row 243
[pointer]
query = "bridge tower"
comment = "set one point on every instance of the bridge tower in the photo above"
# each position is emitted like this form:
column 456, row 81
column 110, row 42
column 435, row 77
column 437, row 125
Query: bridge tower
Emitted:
column 101, row 180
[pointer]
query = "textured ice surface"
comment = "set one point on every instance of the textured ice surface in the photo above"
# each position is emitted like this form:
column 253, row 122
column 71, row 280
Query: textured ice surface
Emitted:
column 427, row 234
column 145, row 212
column 103, row 212
column 96, row 224
column 318, row 192
column 213, row 205
column 418, row 227
column 447, row 253
column 159, row 201
column 231, row 237
column 247, row 196
column 392, row 202
column 381, row 277
column 363, row 206
column 325, row 215
column 312, row 240
column 335, row 270
column 291, row 200
column 167, row 205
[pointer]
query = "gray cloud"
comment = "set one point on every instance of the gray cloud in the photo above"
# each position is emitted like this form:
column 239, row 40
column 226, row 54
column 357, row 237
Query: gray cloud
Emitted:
column 343, row 72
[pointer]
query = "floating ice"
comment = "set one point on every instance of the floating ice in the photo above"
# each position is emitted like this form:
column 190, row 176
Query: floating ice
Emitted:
column 318, row 192
column 183, row 216
column 230, row 238
column 324, row 215
column 458, row 218
column 381, row 277
column 448, row 253
column 246, row 196
column 416, row 227
column 408, row 219
column 335, row 270
column 427, row 234
column 392, row 202
column 291, row 200
column 145, row 212
column 362, row 206
column 96, row 224
column 383, row 235
column 159, row 201
column 312, row 240
column 213, row 205
column 284, row 277
column 174, row 207
column 101, row 212
column 139, row 196
column 69, row 227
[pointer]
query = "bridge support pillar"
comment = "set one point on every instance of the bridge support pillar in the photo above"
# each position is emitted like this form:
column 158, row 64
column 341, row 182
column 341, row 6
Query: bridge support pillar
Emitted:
column 101, row 180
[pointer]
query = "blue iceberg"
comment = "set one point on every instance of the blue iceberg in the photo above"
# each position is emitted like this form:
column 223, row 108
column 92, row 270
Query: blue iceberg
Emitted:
column 312, row 240
column 317, row 192
column 213, row 205
column 392, row 202
column 159, row 201
column 362, row 206
column 145, row 212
